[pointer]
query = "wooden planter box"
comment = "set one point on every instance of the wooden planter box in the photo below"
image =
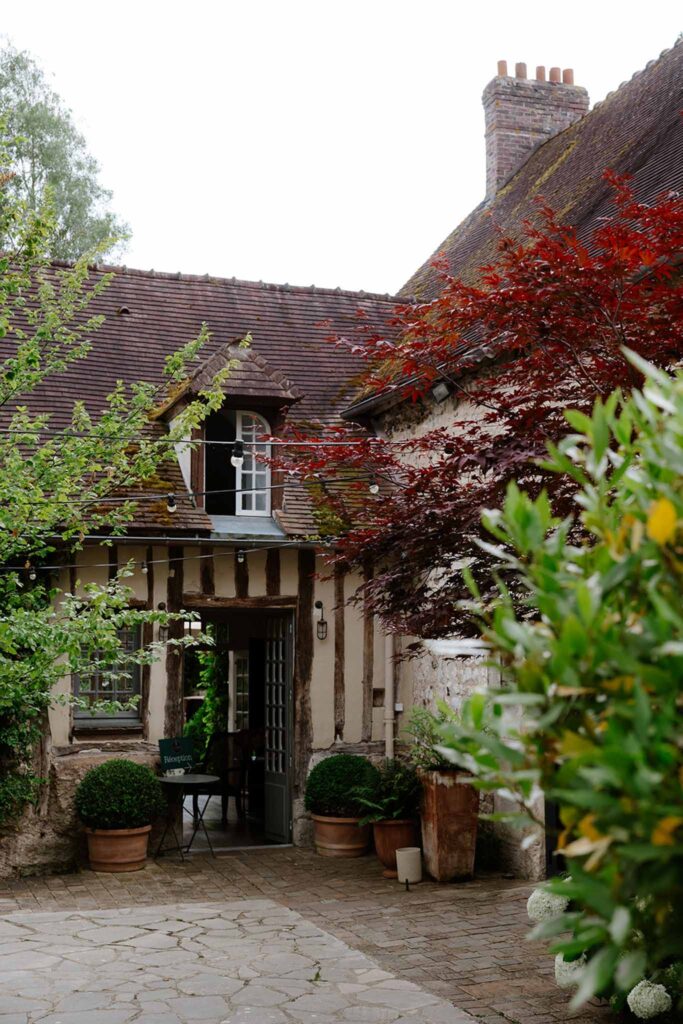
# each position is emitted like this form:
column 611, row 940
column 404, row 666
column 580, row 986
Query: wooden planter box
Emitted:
column 450, row 811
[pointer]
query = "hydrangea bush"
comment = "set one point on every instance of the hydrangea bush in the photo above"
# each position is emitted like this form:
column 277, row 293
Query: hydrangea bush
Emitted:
column 585, row 622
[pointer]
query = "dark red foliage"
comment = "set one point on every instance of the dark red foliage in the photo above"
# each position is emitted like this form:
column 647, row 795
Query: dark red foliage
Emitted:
column 543, row 329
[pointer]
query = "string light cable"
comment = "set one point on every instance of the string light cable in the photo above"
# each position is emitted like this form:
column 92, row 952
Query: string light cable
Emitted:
column 189, row 442
column 234, row 548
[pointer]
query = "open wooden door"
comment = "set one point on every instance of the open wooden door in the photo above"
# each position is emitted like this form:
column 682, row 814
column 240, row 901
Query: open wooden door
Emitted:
column 279, row 731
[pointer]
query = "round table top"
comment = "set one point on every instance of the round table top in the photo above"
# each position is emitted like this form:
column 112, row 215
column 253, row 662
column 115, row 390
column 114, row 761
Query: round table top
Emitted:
column 189, row 780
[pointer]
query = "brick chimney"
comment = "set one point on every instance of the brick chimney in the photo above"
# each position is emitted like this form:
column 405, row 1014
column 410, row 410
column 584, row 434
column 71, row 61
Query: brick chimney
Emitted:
column 521, row 113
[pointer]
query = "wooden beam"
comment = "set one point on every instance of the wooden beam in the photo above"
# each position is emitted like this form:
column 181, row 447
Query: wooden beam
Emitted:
column 368, row 660
column 273, row 571
column 339, row 681
column 197, row 467
column 207, row 578
column 113, row 562
column 194, row 600
column 303, row 669
column 242, row 576
column 147, row 638
column 173, row 712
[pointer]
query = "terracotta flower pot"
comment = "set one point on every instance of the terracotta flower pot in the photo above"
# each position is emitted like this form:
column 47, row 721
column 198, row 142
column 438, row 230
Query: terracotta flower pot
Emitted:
column 450, row 810
column 390, row 836
column 118, row 849
column 340, row 837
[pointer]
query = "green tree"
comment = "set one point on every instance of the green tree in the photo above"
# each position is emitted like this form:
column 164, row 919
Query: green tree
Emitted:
column 58, row 484
column 49, row 156
column 592, row 653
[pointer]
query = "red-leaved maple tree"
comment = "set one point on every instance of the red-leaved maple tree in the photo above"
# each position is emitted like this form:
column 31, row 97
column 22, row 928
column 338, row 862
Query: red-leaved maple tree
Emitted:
column 543, row 329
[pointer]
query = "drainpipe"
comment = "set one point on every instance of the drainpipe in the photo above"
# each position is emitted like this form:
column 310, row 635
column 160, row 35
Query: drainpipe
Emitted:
column 389, row 694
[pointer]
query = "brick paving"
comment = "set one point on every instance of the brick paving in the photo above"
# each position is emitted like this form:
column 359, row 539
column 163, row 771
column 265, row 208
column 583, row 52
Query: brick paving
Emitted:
column 464, row 943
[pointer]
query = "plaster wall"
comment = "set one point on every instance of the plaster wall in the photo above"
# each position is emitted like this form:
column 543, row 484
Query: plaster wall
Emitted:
column 48, row 838
column 424, row 679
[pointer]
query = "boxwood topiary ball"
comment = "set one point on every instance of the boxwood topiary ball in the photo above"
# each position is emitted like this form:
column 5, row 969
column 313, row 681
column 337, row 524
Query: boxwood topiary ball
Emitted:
column 119, row 794
column 331, row 783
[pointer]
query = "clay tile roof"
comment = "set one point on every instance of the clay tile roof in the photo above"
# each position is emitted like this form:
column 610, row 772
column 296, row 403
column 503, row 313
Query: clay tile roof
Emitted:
column 637, row 131
column 148, row 316
column 250, row 378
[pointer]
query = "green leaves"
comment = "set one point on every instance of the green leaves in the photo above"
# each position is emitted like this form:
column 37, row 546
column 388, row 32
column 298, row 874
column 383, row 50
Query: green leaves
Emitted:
column 593, row 659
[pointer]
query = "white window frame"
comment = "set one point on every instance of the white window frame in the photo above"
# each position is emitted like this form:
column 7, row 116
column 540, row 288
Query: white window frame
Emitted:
column 240, row 473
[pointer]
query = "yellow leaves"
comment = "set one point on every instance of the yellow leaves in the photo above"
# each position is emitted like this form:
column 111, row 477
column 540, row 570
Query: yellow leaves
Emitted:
column 661, row 521
column 586, row 827
column 573, row 745
column 619, row 683
column 663, row 832
column 594, row 849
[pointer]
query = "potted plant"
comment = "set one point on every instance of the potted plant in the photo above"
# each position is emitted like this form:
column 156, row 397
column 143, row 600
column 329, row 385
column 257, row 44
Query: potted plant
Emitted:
column 333, row 807
column 392, row 802
column 450, row 804
column 117, row 801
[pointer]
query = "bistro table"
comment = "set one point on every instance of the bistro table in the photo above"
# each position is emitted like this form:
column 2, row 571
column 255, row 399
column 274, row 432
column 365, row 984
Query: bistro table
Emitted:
column 179, row 787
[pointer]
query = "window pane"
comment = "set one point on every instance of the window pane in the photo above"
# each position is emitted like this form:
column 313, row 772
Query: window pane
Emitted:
column 254, row 478
column 124, row 684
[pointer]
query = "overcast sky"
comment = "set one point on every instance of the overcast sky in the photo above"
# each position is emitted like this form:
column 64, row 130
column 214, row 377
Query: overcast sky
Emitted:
column 325, row 142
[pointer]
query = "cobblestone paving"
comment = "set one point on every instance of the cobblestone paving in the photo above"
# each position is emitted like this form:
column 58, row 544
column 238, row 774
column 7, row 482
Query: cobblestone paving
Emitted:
column 463, row 943
column 248, row 960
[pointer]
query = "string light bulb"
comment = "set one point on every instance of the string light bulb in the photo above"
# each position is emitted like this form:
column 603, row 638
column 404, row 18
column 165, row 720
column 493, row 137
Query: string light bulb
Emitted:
column 373, row 486
column 237, row 457
column 32, row 574
column 170, row 503
column 144, row 568
column 240, row 556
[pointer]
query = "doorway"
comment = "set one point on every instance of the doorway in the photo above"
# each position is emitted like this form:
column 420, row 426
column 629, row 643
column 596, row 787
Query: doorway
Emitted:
column 238, row 712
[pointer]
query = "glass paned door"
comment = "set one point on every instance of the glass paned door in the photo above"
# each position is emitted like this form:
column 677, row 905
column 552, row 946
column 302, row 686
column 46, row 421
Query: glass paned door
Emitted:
column 278, row 747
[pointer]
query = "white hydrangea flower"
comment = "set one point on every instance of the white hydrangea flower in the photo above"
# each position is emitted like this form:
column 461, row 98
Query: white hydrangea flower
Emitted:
column 648, row 1000
column 568, row 972
column 543, row 906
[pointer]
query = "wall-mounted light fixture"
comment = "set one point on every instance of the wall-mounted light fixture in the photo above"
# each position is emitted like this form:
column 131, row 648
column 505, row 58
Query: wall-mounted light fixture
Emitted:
column 163, row 628
column 321, row 626
column 237, row 457
column 440, row 391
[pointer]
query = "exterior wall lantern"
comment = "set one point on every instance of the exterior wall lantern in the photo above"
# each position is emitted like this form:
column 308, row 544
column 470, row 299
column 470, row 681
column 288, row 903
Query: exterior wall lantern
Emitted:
column 321, row 626
column 163, row 628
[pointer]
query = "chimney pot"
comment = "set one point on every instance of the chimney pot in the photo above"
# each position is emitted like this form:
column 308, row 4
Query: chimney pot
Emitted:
column 522, row 114
column 568, row 76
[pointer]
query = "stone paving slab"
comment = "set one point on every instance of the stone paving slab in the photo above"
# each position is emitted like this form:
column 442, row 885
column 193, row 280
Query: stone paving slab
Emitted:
column 237, row 962
column 464, row 942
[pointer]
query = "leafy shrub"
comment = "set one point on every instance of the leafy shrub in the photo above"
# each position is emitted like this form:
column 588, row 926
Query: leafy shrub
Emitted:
column 393, row 795
column 424, row 729
column 593, row 655
column 119, row 794
column 212, row 714
column 331, row 784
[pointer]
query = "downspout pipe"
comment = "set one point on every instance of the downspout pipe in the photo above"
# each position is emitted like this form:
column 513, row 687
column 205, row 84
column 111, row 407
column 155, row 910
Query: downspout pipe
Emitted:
column 389, row 693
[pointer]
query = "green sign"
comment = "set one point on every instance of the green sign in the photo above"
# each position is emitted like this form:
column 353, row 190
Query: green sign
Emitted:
column 176, row 753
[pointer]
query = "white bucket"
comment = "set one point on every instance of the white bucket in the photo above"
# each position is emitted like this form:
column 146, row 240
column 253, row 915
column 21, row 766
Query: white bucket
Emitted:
column 409, row 864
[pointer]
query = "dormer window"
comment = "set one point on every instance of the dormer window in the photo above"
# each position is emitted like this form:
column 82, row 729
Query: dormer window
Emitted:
column 253, row 480
column 245, row 490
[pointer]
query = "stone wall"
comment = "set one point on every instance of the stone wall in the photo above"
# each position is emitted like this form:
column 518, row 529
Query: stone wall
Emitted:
column 435, row 676
column 49, row 838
